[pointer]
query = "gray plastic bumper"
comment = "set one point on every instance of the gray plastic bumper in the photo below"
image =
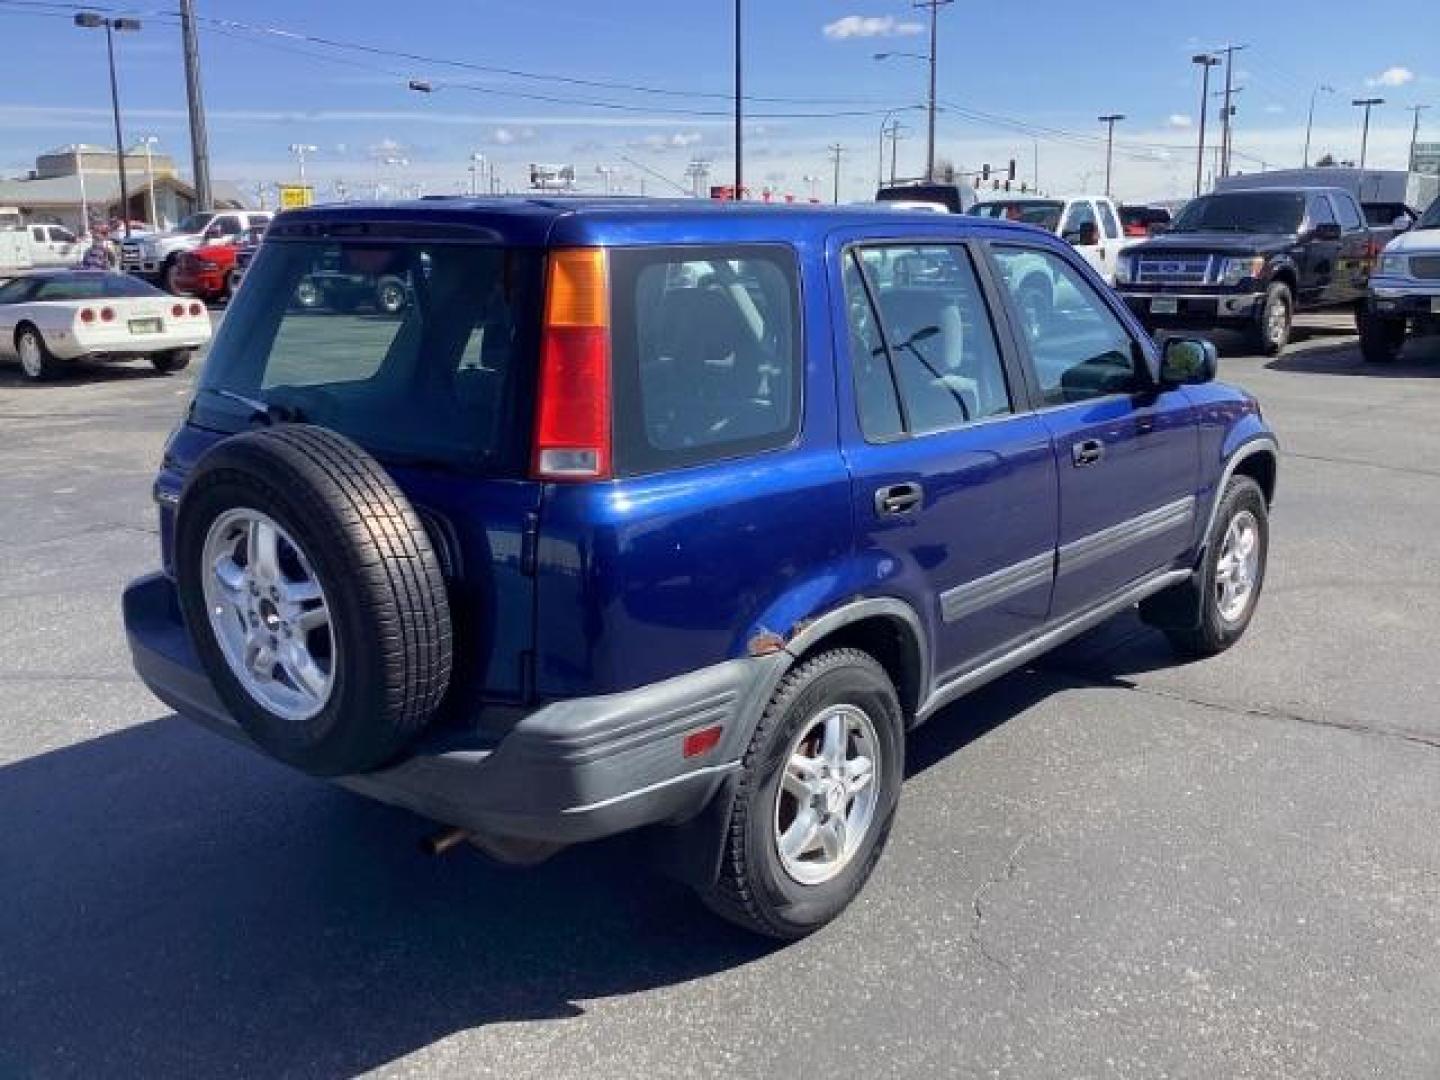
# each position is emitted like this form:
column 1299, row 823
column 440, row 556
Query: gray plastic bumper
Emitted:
column 569, row 771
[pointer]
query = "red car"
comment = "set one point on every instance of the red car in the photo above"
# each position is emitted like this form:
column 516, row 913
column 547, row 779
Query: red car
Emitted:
column 209, row 272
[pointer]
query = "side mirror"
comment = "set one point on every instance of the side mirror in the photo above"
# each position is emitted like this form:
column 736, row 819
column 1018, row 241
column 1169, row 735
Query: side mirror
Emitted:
column 1188, row 362
column 1401, row 223
column 1327, row 231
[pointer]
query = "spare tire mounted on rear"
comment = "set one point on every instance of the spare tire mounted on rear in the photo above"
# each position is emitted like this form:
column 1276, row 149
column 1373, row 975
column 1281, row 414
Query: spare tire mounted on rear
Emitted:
column 314, row 598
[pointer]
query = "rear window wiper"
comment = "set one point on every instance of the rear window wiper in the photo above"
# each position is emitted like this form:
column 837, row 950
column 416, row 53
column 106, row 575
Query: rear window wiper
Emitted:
column 266, row 412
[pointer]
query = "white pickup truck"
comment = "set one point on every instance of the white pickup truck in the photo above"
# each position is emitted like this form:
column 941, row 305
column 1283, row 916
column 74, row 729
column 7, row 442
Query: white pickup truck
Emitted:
column 154, row 256
column 35, row 247
column 1091, row 223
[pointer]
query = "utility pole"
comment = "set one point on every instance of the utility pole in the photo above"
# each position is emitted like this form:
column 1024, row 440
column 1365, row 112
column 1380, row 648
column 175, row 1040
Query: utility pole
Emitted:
column 835, row 151
column 1223, row 152
column 1366, row 104
column 1109, row 121
column 300, row 150
column 1414, row 133
column 895, row 130
column 1310, row 122
column 934, row 6
column 199, row 143
column 1229, row 51
column 739, row 124
column 1207, row 62
column 89, row 20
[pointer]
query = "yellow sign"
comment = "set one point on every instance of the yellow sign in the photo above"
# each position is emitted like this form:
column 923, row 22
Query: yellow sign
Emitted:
column 294, row 196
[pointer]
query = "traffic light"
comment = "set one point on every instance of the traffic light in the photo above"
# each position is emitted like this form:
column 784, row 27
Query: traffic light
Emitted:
column 985, row 171
column 1012, row 170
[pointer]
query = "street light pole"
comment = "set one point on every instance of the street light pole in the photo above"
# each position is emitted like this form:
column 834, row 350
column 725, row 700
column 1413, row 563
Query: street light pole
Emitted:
column 1207, row 62
column 1414, row 133
column 89, row 20
column 149, row 141
column 1109, row 121
column 84, row 202
column 300, row 150
column 739, row 119
column 934, row 6
column 1310, row 122
column 1366, row 104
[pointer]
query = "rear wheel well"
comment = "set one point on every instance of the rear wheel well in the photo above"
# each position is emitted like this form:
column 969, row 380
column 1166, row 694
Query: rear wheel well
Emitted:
column 1285, row 276
column 892, row 643
column 1260, row 468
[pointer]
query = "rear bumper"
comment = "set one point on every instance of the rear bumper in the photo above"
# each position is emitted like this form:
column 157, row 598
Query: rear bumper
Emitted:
column 1195, row 309
column 569, row 771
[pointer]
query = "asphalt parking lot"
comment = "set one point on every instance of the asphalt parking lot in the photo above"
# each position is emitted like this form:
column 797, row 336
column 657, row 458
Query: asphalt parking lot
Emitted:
column 1106, row 866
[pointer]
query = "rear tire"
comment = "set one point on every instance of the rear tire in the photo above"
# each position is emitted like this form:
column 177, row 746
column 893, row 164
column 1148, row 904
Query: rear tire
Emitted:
column 167, row 363
column 170, row 277
column 1381, row 339
column 37, row 363
column 323, row 621
column 790, row 895
column 1271, row 331
column 390, row 295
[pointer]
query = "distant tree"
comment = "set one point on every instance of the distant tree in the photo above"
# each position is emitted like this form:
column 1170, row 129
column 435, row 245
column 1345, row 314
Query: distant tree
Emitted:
column 1326, row 162
column 945, row 170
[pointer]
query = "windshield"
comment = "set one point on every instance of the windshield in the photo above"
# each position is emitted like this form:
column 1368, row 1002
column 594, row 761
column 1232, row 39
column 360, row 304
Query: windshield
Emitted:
column 195, row 223
column 1431, row 218
column 419, row 352
column 1042, row 212
column 1247, row 212
column 92, row 285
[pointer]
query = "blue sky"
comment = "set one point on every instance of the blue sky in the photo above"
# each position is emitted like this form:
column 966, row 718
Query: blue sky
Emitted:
column 1037, row 72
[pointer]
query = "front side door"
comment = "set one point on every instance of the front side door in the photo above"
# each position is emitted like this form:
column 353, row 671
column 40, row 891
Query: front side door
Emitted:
column 953, row 482
column 1318, row 257
column 1081, row 230
column 1126, row 455
column 1352, row 267
column 1112, row 237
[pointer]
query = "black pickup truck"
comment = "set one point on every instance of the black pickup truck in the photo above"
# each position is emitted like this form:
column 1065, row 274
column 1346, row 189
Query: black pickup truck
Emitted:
column 1249, row 260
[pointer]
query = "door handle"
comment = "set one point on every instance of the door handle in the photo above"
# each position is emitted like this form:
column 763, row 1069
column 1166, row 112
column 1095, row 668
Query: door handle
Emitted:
column 1087, row 453
column 898, row 499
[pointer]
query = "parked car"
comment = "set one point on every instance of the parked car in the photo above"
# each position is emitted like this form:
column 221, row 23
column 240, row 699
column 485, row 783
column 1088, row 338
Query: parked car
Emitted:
column 675, row 515
column 343, row 285
column 54, row 246
column 1248, row 260
column 156, row 256
column 210, row 272
column 245, row 251
column 49, row 318
column 954, row 198
column 1143, row 221
column 1090, row 223
column 1404, row 291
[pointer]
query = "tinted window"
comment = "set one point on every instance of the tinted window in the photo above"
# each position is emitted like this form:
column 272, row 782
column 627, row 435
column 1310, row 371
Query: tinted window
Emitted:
column 13, row 292
column 876, row 401
column 92, row 286
column 1042, row 212
column 445, row 379
column 706, row 354
column 1431, row 218
column 937, row 333
column 61, row 236
column 1350, row 219
column 1079, row 348
column 1319, row 212
column 227, row 226
column 1081, row 214
column 1107, row 220
column 195, row 223
column 1384, row 214
column 1243, row 212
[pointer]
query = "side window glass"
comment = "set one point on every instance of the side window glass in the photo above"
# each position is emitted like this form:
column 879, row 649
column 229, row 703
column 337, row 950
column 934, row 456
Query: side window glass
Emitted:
column 1350, row 219
column 875, row 397
column 938, row 335
column 38, row 233
column 1107, row 219
column 1080, row 226
column 228, row 226
column 1320, row 213
column 1079, row 348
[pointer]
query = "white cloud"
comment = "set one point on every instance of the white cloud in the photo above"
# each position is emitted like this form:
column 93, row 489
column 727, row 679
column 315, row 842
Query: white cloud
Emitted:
column 1274, row 110
column 1392, row 76
column 1178, row 120
column 869, row 26
column 508, row 136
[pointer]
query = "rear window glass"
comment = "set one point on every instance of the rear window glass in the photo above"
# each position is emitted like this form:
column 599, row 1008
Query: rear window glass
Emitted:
column 706, row 354
column 92, row 286
column 420, row 352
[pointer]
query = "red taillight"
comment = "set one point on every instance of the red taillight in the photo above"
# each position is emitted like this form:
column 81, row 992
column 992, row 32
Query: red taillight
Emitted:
column 196, row 310
column 87, row 315
column 177, row 311
column 107, row 314
column 572, row 415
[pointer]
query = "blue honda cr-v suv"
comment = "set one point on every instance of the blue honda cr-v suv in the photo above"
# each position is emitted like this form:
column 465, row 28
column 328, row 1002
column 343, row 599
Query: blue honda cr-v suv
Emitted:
column 675, row 515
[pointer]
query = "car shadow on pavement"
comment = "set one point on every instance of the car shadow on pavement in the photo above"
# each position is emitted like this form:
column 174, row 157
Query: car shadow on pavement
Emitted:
column 176, row 906
column 1419, row 359
column 79, row 373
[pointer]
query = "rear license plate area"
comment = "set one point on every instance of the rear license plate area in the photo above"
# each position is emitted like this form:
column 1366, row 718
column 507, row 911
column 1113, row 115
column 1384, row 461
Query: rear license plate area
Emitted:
column 145, row 326
column 1164, row 305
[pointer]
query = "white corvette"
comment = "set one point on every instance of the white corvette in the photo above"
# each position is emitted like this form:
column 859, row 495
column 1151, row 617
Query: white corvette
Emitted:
column 49, row 318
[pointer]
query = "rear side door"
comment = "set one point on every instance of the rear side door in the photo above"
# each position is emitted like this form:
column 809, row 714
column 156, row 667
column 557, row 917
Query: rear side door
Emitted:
column 1352, row 267
column 1112, row 238
column 953, row 479
column 1126, row 454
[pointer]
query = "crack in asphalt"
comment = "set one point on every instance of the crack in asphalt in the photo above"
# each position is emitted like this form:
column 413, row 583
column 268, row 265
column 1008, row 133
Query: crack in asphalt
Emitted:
column 1433, row 474
column 977, row 902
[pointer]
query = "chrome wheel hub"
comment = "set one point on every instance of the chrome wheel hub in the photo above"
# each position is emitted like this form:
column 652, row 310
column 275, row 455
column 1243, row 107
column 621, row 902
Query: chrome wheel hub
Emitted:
column 1237, row 570
column 30, row 354
column 269, row 614
column 828, row 793
column 1276, row 319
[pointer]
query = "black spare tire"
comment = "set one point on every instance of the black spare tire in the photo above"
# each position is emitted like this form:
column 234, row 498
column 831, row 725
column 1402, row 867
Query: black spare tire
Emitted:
column 314, row 598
